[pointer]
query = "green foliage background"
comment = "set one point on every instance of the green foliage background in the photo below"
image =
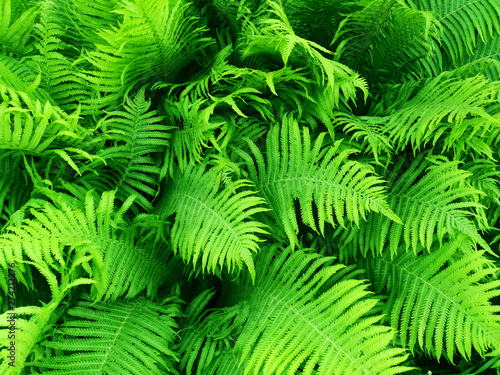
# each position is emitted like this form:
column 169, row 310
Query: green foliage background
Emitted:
column 250, row 187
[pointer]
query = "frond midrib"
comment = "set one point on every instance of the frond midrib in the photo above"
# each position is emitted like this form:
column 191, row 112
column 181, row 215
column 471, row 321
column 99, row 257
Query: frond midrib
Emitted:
column 104, row 360
column 336, row 185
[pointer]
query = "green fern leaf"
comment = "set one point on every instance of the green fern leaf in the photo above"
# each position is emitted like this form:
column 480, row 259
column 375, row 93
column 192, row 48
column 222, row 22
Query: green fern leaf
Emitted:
column 66, row 88
column 206, row 346
column 212, row 225
column 440, row 301
column 136, row 134
column 126, row 337
column 464, row 22
column 154, row 41
column 122, row 264
column 340, row 188
column 431, row 200
column 275, row 33
column 305, row 312
column 25, row 335
column 14, row 36
column 419, row 113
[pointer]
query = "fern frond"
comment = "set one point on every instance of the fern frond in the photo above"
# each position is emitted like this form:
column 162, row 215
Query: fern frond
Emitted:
column 134, row 135
column 488, row 52
column 14, row 188
column 194, row 130
column 121, row 264
column 306, row 312
column 130, row 337
column 24, row 335
column 296, row 169
column 14, row 34
column 419, row 115
column 212, row 225
column 19, row 77
column 431, row 200
column 388, row 40
column 35, row 128
column 275, row 34
column 66, row 88
column 367, row 128
column 440, row 302
column 206, row 346
column 464, row 23
column 89, row 16
column 153, row 42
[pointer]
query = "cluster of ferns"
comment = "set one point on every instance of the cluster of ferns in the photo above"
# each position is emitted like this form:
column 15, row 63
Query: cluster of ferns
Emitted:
column 250, row 187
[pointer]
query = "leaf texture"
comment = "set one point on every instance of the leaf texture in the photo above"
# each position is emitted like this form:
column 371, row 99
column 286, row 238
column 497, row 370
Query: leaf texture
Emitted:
column 340, row 188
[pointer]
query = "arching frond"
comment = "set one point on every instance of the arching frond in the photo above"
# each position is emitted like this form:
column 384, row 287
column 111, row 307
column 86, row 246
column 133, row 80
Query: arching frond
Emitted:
column 297, row 169
column 29, row 322
column 367, row 128
column 19, row 77
column 66, row 88
column 194, row 131
column 154, row 41
column 31, row 127
column 89, row 17
column 134, row 337
column 15, row 33
column 122, row 264
column 207, row 339
column 274, row 33
column 417, row 115
column 487, row 52
column 304, row 312
column 213, row 226
column 464, row 23
column 440, row 302
column 387, row 40
column 134, row 135
column 28, row 127
column 431, row 200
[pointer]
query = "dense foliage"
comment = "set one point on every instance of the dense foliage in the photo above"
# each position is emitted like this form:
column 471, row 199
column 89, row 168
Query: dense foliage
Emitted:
column 249, row 187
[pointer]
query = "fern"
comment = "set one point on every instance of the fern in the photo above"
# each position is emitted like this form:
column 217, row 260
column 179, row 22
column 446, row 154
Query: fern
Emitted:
column 130, row 337
column 464, row 22
column 440, row 301
column 293, row 302
column 155, row 40
column 15, row 34
column 58, row 79
column 339, row 188
column 136, row 135
column 276, row 34
column 178, row 177
column 413, row 115
column 213, row 226
column 206, row 347
column 27, row 333
column 432, row 199
column 382, row 37
column 56, row 232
